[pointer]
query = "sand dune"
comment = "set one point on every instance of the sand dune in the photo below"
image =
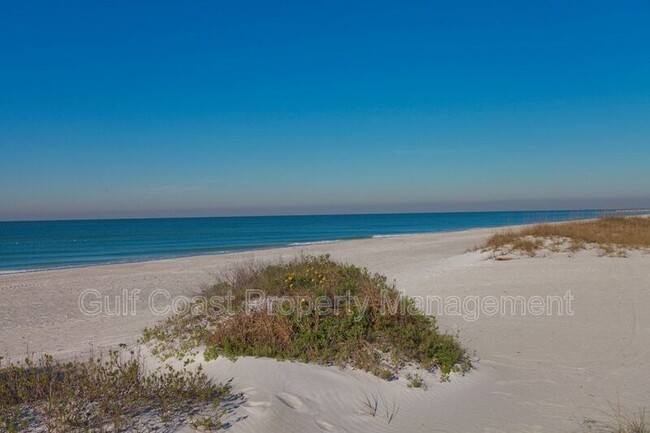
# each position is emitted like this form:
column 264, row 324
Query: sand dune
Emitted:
column 535, row 374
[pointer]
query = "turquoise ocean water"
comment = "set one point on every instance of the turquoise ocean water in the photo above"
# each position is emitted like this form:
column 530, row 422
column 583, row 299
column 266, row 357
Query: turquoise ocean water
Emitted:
column 52, row 244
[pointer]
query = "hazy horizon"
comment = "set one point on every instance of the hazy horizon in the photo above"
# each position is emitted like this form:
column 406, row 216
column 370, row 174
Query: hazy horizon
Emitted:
column 528, row 206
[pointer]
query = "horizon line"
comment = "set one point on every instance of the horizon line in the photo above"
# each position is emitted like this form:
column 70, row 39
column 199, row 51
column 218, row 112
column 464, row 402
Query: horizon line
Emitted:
column 136, row 218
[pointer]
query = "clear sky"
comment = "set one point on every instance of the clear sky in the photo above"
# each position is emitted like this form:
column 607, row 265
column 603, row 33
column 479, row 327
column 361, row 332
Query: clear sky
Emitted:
column 157, row 108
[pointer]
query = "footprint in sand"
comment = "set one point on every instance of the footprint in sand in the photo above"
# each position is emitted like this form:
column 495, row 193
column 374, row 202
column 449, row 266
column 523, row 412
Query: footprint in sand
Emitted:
column 291, row 400
column 257, row 406
column 324, row 425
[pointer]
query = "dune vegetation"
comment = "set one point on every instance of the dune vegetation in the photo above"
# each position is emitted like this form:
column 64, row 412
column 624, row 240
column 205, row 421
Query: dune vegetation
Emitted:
column 311, row 309
column 611, row 235
column 115, row 392
column 619, row 421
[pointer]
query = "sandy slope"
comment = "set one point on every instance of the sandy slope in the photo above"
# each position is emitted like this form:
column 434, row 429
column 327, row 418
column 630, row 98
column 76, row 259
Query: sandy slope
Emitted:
column 536, row 374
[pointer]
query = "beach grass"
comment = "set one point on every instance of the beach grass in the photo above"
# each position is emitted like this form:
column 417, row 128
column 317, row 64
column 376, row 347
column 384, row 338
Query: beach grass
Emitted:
column 342, row 315
column 100, row 394
column 612, row 235
column 619, row 421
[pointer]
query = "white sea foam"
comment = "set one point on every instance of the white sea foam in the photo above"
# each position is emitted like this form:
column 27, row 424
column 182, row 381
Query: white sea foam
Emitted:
column 301, row 244
column 392, row 236
column 19, row 271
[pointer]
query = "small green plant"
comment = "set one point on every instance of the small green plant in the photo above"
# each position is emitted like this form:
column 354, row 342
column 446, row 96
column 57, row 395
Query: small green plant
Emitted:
column 415, row 381
column 207, row 423
column 89, row 395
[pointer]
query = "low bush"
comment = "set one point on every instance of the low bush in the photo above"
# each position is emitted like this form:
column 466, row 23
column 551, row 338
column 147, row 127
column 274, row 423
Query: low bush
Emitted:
column 107, row 392
column 342, row 315
column 610, row 234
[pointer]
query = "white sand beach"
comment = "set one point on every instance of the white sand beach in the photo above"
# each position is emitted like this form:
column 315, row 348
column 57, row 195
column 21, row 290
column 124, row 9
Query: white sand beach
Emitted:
column 543, row 373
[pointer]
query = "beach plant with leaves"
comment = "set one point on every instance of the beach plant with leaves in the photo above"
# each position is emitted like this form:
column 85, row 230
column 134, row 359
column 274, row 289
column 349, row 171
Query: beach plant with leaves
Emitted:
column 416, row 381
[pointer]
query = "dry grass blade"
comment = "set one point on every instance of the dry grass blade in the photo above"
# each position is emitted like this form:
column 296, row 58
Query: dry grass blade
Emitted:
column 390, row 410
column 370, row 405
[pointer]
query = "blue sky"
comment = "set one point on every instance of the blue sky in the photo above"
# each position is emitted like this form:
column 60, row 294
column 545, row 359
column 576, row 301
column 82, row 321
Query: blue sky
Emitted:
column 154, row 108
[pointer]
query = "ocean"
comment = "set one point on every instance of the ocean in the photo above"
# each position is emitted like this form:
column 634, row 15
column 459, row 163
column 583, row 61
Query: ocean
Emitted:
column 30, row 245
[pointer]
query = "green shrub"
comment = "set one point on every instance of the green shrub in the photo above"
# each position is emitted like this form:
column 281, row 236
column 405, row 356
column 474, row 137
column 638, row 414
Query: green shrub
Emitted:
column 368, row 324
